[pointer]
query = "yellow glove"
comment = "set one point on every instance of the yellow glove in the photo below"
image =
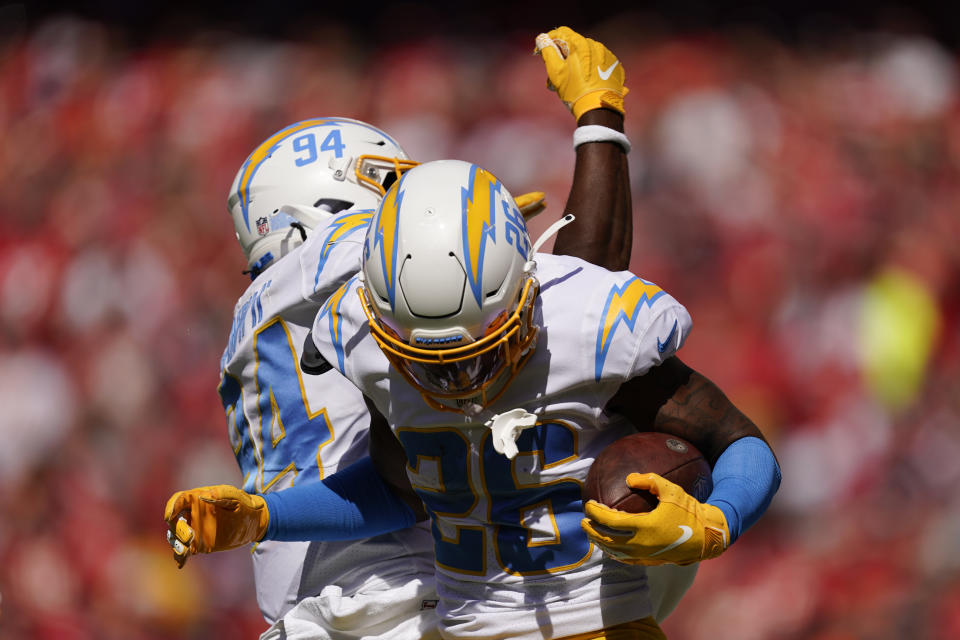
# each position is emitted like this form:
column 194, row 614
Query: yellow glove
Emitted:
column 216, row 518
column 680, row 530
column 530, row 204
column 583, row 72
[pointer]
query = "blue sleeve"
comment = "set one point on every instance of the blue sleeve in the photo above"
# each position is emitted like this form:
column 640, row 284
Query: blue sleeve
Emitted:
column 351, row 504
column 745, row 478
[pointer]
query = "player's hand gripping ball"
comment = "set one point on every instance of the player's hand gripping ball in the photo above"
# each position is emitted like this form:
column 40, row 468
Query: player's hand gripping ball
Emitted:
column 644, row 502
column 583, row 72
column 217, row 518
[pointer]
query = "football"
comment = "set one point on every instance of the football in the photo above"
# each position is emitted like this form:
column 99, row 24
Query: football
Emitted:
column 649, row 452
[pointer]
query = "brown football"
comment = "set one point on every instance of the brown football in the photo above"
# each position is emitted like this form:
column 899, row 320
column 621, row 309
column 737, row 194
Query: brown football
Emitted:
column 649, row 452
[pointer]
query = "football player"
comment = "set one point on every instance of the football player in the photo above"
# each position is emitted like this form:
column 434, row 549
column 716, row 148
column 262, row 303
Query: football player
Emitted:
column 302, row 195
column 321, row 177
column 495, row 375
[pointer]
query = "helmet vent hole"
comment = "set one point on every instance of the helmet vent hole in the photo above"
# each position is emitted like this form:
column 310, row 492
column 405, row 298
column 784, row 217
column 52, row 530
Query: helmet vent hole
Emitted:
column 332, row 205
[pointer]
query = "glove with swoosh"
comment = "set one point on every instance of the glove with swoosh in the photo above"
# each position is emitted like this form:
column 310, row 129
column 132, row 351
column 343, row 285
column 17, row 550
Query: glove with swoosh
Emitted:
column 680, row 530
column 583, row 72
column 216, row 518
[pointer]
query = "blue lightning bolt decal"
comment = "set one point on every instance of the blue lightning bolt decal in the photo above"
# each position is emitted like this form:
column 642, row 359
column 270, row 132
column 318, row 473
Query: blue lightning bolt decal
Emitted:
column 261, row 153
column 622, row 306
column 331, row 312
column 252, row 164
column 478, row 205
column 339, row 229
column 387, row 225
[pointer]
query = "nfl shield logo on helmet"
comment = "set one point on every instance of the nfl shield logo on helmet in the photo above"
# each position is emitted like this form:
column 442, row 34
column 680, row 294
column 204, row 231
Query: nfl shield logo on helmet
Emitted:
column 263, row 226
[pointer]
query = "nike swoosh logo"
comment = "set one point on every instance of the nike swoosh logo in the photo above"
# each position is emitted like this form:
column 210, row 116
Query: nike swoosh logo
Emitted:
column 685, row 534
column 662, row 345
column 605, row 75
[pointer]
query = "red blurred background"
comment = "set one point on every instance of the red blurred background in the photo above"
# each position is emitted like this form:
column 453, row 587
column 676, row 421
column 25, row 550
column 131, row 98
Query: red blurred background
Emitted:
column 795, row 184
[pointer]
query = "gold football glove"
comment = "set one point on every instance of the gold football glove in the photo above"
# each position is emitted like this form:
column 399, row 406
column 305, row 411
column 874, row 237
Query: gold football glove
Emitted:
column 530, row 204
column 217, row 518
column 680, row 530
column 583, row 72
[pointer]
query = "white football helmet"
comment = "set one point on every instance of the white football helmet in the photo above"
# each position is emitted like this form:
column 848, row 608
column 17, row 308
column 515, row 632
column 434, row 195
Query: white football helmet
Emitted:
column 303, row 172
column 448, row 284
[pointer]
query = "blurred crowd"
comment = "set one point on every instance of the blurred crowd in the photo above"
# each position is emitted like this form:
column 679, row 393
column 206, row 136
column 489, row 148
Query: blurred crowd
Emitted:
column 803, row 201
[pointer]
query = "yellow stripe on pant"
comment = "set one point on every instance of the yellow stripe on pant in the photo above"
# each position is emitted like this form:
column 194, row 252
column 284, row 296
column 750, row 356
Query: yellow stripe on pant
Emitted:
column 645, row 629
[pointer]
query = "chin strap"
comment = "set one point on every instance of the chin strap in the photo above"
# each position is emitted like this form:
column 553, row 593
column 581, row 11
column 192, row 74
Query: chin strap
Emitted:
column 305, row 215
column 257, row 267
column 551, row 231
column 302, row 229
column 506, row 427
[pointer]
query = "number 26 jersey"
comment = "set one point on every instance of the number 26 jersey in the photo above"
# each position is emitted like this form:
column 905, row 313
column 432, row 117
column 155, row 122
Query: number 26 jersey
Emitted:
column 511, row 558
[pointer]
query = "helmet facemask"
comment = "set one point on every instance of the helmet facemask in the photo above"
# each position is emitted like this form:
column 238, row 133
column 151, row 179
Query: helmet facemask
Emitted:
column 477, row 373
column 380, row 172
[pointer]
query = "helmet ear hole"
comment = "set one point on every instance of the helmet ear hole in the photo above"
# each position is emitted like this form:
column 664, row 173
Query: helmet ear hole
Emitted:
column 332, row 205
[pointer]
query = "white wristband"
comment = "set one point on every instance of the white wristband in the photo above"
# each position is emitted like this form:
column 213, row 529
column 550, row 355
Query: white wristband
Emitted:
column 599, row 133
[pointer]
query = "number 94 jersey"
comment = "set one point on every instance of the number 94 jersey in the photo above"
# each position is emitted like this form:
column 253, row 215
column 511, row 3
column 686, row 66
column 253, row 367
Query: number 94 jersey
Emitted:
column 512, row 560
column 288, row 428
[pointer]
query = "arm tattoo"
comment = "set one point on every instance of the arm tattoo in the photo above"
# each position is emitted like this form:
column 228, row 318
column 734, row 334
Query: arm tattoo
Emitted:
column 675, row 399
column 700, row 413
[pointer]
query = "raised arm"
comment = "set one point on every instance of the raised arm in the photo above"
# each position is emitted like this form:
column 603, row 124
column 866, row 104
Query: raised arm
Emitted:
column 600, row 199
column 590, row 81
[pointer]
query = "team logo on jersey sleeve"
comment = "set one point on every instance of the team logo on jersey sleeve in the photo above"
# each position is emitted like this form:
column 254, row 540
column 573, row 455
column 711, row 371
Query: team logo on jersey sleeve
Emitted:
column 339, row 229
column 622, row 307
column 346, row 224
column 479, row 199
column 331, row 313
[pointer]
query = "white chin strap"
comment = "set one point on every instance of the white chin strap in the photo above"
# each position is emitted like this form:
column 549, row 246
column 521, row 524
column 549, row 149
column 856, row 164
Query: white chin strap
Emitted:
column 551, row 231
column 307, row 216
column 505, row 428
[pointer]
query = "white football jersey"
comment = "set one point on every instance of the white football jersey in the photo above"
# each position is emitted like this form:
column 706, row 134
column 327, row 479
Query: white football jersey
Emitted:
column 287, row 427
column 512, row 560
